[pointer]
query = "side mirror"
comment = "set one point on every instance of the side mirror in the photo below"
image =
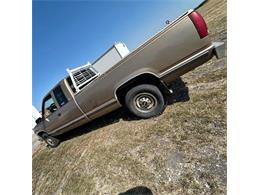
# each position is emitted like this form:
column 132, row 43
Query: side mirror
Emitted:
column 38, row 120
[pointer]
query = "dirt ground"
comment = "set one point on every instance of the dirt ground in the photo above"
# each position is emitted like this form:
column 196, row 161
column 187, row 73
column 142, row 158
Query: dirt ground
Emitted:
column 183, row 151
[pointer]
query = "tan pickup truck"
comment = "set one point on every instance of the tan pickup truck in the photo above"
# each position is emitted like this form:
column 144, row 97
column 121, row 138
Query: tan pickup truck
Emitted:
column 138, row 81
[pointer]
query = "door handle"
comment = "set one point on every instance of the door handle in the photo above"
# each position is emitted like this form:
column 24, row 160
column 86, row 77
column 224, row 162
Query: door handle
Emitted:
column 59, row 114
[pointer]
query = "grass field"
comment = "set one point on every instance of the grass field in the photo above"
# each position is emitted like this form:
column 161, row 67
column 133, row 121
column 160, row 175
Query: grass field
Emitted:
column 183, row 151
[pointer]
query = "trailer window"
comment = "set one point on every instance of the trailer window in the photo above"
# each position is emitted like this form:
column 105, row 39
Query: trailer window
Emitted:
column 60, row 97
column 49, row 106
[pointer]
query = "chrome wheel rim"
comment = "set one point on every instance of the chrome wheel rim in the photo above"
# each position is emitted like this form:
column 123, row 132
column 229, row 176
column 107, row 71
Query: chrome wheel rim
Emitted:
column 145, row 102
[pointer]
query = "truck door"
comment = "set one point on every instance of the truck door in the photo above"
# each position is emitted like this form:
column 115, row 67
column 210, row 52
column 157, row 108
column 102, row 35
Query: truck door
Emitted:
column 49, row 112
column 65, row 112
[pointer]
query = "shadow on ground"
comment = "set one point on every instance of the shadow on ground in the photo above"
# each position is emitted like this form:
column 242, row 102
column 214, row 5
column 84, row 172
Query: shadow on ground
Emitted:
column 139, row 190
column 180, row 94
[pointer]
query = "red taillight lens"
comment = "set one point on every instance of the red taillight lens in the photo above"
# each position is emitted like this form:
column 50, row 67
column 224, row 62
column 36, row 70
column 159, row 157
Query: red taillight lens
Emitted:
column 199, row 23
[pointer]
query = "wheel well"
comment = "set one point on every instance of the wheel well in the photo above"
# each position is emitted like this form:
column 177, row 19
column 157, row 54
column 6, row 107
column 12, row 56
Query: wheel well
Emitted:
column 40, row 133
column 141, row 79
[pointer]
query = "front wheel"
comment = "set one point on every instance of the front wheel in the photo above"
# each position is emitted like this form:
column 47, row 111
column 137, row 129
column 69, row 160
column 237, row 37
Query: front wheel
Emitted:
column 51, row 141
column 145, row 101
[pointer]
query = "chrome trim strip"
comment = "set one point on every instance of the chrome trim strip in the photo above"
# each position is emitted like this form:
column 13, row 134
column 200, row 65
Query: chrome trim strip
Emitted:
column 108, row 103
column 184, row 62
column 68, row 124
column 85, row 115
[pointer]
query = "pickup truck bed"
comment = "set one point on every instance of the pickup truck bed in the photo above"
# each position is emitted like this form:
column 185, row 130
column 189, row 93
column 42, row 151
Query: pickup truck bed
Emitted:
column 158, row 56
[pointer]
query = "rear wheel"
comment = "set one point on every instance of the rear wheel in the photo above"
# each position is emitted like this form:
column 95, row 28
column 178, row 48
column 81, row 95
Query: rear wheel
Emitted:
column 145, row 101
column 51, row 141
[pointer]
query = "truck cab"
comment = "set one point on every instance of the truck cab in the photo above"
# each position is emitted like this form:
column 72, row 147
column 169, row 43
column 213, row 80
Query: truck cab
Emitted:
column 59, row 110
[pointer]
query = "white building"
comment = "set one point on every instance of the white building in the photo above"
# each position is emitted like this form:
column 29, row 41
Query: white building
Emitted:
column 35, row 115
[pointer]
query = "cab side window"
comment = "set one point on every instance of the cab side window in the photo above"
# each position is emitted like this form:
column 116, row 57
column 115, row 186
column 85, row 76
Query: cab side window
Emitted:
column 60, row 97
column 49, row 106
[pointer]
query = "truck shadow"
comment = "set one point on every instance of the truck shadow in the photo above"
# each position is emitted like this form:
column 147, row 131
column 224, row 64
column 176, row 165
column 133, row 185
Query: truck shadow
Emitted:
column 139, row 190
column 180, row 94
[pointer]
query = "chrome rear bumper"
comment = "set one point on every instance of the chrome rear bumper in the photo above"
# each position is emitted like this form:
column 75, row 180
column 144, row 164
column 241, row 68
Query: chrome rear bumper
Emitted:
column 219, row 49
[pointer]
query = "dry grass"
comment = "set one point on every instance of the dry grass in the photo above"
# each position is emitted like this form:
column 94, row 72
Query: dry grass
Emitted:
column 183, row 151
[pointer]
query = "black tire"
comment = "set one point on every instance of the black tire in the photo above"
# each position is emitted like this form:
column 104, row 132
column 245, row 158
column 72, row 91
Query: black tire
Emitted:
column 50, row 141
column 145, row 101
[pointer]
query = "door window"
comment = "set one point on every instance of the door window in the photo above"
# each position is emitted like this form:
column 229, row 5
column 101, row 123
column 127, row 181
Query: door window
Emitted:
column 49, row 106
column 60, row 97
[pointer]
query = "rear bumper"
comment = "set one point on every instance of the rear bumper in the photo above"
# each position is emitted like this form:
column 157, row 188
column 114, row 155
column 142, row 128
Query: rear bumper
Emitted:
column 219, row 49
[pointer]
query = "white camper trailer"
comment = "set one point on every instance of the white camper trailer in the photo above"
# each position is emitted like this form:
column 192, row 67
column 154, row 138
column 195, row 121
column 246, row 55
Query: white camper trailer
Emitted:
column 113, row 55
column 84, row 74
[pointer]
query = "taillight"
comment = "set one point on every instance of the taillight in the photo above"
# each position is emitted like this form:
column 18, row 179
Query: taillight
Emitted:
column 199, row 23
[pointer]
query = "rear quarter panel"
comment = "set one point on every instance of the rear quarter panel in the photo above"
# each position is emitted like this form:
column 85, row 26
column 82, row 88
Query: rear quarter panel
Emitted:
column 174, row 43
